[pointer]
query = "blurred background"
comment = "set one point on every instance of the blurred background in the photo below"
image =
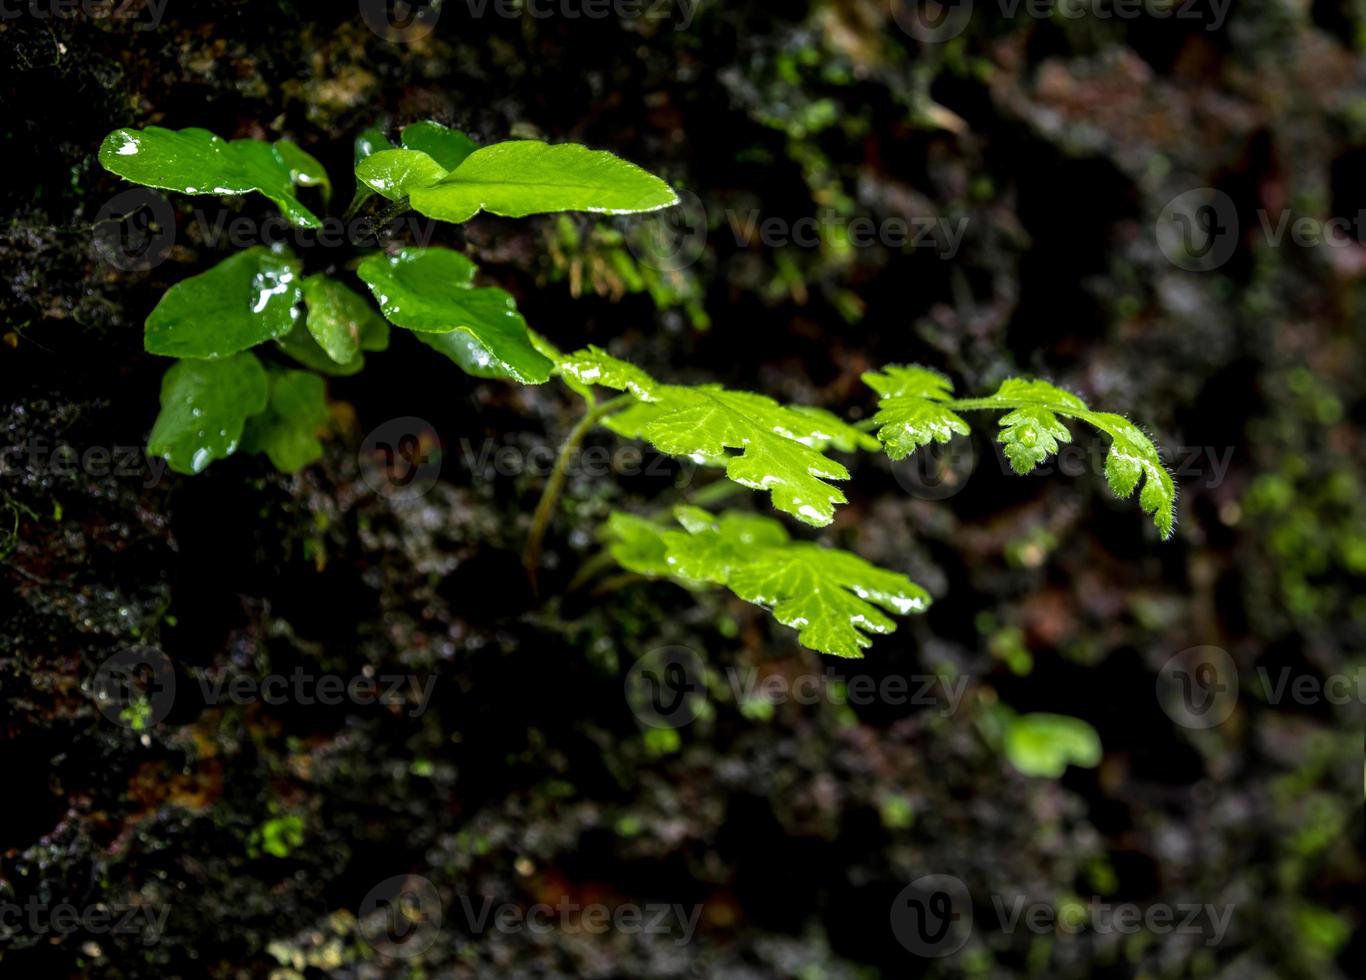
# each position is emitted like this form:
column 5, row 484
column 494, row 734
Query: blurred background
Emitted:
column 1156, row 205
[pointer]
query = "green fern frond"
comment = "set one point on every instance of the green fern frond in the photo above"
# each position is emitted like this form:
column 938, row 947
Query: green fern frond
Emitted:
column 834, row 599
column 917, row 407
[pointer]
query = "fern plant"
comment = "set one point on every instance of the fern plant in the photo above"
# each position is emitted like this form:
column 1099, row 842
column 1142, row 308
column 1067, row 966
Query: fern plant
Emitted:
column 253, row 339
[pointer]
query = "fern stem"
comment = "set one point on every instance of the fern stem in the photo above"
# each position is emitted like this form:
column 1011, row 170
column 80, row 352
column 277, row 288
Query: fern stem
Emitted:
column 550, row 497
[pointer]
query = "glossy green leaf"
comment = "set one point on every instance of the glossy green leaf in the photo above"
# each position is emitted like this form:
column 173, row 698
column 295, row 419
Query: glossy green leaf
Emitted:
column 397, row 173
column 448, row 147
column 246, row 299
column 195, row 161
column 341, row 320
column 431, row 291
column 287, row 431
column 916, row 408
column 834, row 599
column 204, row 405
column 780, row 449
column 523, row 177
column 1045, row 745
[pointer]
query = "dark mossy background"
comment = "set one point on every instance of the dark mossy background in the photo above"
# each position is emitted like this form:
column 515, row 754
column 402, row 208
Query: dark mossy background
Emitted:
column 528, row 779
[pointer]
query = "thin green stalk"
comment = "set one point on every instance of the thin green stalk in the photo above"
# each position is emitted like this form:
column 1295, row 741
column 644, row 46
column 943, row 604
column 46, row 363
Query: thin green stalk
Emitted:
column 550, row 498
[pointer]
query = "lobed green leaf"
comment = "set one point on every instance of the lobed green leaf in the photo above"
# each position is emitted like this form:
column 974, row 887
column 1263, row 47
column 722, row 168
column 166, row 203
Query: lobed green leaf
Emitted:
column 781, row 449
column 834, row 599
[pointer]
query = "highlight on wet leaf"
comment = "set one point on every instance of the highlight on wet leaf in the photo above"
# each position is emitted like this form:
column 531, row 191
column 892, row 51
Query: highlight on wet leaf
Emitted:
column 762, row 444
column 917, row 407
column 245, row 300
column 195, row 161
column 834, row 599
